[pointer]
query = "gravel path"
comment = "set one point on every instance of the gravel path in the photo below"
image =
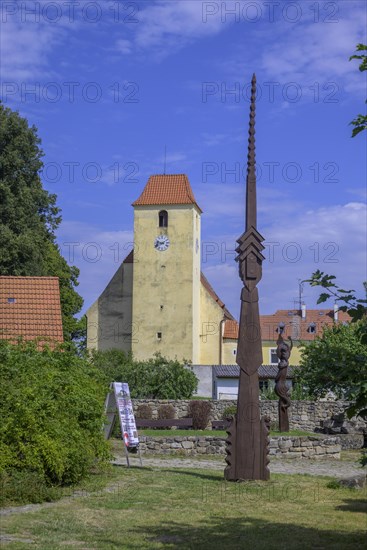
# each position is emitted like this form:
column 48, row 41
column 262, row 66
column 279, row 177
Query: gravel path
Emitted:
column 333, row 468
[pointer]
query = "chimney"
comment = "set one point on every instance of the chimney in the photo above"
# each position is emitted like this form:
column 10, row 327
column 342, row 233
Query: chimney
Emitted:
column 303, row 311
column 336, row 310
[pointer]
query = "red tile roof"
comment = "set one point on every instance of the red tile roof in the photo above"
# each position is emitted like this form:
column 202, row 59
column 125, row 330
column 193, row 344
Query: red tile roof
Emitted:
column 214, row 295
column 231, row 329
column 30, row 308
column 167, row 189
column 295, row 326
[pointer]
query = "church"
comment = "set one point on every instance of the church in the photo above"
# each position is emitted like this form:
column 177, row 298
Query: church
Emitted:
column 159, row 300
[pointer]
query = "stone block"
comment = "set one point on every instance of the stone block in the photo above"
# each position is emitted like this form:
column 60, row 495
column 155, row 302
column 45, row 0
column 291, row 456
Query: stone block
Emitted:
column 333, row 449
column 187, row 444
column 284, row 445
column 307, row 453
column 356, row 482
column 293, row 455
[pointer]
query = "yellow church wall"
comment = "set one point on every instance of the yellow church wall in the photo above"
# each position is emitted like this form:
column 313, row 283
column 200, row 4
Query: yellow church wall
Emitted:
column 109, row 319
column 210, row 329
column 166, row 291
column 196, row 289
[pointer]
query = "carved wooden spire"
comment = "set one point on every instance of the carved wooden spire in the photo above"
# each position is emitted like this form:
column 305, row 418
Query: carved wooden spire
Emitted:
column 251, row 163
column 247, row 442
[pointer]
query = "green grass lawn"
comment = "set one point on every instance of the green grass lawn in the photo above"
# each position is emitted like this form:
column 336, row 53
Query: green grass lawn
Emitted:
column 147, row 508
column 216, row 433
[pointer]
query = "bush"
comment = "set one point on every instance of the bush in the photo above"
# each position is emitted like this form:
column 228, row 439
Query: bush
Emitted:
column 229, row 411
column 199, row 411
column 157, row 378
column 51, row 406
column 166, row 412
column 144, row 411
column 22, row 487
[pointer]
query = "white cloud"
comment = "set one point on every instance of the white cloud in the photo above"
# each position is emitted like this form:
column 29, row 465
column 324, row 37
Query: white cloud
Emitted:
column 332, row 239
column 168, row 25
column 124, row 46
column 318, row 51
column 308, row 53
column 25, row 50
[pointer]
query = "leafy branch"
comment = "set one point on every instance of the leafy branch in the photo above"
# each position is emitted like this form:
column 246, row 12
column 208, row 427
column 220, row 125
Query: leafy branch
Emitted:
column 360, row 122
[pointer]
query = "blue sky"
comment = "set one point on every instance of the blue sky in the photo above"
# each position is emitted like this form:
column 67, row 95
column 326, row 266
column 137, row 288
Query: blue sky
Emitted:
column 110, row 84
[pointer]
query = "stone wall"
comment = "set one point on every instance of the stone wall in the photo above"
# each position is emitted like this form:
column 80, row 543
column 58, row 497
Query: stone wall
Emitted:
column 284, row 447
column 307, row 416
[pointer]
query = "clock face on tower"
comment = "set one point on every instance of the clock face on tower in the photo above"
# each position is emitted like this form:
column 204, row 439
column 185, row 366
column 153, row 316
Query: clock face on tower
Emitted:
column 161, row 243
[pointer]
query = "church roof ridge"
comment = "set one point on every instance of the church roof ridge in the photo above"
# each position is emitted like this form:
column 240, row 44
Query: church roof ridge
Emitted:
column 208, row 287
column 166, row 189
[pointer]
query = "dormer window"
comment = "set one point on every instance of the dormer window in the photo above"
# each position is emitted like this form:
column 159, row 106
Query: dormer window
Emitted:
column 11, row 300
column 311, row 328
column 163, row 218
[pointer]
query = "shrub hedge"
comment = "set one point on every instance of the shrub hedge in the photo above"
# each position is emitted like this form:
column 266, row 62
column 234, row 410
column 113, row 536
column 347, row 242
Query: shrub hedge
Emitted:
column 51, row 406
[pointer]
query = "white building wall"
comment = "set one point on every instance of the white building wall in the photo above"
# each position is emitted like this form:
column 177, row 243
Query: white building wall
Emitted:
column 226, row 388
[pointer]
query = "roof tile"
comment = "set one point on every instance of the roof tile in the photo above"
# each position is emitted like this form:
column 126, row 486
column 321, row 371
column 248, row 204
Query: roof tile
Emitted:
column 36, row 311
column 167, row 189
column 295, row 326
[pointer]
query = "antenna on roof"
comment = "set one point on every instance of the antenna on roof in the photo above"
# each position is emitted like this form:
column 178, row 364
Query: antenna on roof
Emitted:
column 165, row 159
column 297, row 302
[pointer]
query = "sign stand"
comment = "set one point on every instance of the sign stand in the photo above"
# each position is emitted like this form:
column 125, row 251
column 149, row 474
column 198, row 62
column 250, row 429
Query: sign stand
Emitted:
column 118, row 401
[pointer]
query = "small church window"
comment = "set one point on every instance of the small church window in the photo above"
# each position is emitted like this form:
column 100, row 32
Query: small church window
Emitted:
column 159, row 335
column 163, row 218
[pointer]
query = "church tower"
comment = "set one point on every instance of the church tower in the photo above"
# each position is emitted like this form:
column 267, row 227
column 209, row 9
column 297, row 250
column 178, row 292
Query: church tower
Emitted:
column 166, row 271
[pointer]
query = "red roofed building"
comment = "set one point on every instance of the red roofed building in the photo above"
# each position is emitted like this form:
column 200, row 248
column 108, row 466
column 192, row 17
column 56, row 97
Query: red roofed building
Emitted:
column 159, row 300
column 301, row 325
column 30, row 308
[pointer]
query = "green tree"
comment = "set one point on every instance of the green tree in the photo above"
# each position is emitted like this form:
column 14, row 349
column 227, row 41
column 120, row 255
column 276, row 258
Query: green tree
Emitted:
column 360, row 122
column 337, row 360
column 29, row 217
